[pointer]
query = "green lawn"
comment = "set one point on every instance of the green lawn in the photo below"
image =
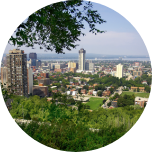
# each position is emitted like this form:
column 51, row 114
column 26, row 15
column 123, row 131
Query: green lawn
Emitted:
column 94, row 103
column 137, row 94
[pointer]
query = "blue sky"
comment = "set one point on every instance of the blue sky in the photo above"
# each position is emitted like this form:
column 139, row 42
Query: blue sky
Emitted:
column 121, row 38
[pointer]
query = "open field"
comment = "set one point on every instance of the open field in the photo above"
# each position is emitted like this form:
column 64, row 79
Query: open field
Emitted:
column 137, row 94
column 94, row 103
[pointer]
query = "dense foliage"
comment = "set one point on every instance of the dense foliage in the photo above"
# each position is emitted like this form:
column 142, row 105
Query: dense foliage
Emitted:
column 67, row 129
column 57, row 26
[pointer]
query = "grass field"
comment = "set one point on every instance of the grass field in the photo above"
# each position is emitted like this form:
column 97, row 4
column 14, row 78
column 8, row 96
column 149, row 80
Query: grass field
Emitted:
column 94, row 103
column 137, row 94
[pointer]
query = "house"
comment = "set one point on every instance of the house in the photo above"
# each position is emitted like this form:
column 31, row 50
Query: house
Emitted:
column 83, row 91
column 90, row 92
column 55, row 91
column 106, row 93
column 94, row 93
column 68, row 92
column 95, row 84
column 144, row 82
column 74, row 93
column 141, row 101
column 90, row 87
column 69, row 86
column 114, row 103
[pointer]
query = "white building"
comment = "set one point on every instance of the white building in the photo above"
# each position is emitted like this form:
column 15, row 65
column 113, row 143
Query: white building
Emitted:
column 68, row 92
column 119, row 72
column 82, row 59
column 94, row 93
column 74, row 93
column 30, row 80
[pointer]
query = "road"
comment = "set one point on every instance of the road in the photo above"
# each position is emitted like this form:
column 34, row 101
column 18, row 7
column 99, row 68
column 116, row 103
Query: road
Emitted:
column 119, row 91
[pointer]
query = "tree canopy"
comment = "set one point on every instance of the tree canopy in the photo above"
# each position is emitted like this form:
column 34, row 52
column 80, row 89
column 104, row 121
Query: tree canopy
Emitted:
column 57, row 26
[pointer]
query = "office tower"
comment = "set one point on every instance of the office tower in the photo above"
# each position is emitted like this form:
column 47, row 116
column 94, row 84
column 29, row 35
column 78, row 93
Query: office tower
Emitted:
column 82, row 59
column 33, row 62
column 38, row 63
column 17, row 72
column 89, row 66
column 33, row 55
column 119, row 72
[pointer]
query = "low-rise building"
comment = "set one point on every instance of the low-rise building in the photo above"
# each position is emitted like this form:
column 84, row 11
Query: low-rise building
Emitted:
column 95, row 93
column 40, row 90
column 83, row 91
column 144, row 82
column 114, row 103
column 141, row 101
column 141, row 89
column 106, row 93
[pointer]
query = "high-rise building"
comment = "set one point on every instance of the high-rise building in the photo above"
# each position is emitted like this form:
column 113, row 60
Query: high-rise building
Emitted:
column 17, row 72
column 33, row 55
column 82, row 59
column 119, row 72
column 29, row 80
column 89, row 66
column 4, row 75
column 38, row 63
column 71, row 65
column 1, row 65
column 33, row 62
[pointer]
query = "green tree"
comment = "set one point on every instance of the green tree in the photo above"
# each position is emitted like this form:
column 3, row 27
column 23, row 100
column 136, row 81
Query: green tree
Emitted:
column 126, row 100
column 79, row 90
column 138, row 89
column 63, row 89
column 57, row 26
column 35, row 82
column 96, row 88
column 111, row 90
column 104, row 101
column 99, row 93
column 7, row 92
column 147, row 89
column 109, row 104
column 145, row 104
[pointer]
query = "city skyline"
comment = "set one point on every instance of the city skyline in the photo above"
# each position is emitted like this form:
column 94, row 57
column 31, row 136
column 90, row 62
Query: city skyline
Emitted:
column 120, row 38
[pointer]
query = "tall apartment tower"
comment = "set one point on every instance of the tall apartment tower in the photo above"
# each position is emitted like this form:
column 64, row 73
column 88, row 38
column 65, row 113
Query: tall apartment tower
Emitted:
column 82, row 59
column 4, row 76
column 119, row 72
column 17, row 72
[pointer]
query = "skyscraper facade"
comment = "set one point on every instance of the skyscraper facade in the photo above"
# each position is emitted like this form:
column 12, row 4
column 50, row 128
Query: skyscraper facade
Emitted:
column 33, row 55
column 82, row 59
column 17, row 72
column 119, row 72
column 4, row 75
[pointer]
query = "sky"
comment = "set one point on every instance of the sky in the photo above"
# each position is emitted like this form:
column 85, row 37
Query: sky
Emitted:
column 120, row 38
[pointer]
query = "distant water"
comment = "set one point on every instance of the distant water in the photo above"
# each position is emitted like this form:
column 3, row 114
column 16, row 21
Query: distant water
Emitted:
column 129, row 59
